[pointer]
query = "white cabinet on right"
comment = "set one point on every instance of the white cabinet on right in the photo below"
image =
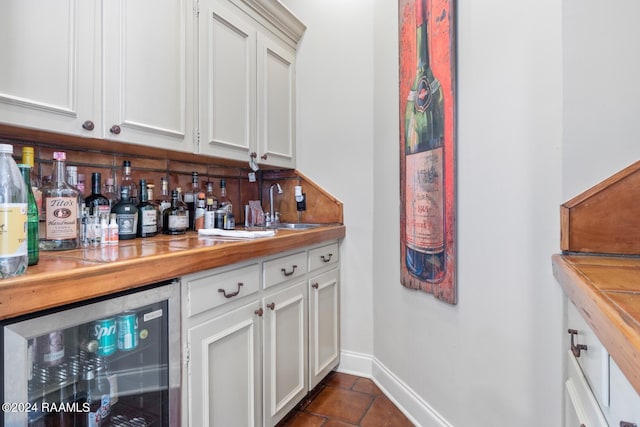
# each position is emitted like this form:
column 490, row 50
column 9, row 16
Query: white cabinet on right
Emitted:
column 596, row 392
column 247, row 52
column 324, row 312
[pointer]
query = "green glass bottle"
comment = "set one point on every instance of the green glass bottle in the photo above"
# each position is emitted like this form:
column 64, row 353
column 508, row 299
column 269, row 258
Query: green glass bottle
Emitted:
column 424, row 165
column 32, row 217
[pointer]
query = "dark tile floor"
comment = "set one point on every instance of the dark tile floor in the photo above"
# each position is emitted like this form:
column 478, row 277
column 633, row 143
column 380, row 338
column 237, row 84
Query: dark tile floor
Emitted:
column 344, row 400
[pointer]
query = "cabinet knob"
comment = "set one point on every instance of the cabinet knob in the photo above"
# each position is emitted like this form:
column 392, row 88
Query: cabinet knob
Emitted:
column 253, row 155
column 88, row 125
column 289, row 273
column 259, row 312
column 627, row 424
column 115, row 129
column 315, row 286
column 576, row 349
column 271, row 306
column 264, row 157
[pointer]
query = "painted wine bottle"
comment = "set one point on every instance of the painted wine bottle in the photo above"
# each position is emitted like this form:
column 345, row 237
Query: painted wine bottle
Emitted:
column 424, row 165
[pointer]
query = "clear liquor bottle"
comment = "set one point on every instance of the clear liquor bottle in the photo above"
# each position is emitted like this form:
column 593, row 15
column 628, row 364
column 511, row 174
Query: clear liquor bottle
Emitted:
column 128, row 182
column 61, row 210
column 97, row 203
column 126, row 216
column 223, row 201
column 110, row 192
column 424, row 166
column 33, row 249
column 13, row 206
column 210, row 195
column 147, row 213
column 190, row 198
column 176, row 218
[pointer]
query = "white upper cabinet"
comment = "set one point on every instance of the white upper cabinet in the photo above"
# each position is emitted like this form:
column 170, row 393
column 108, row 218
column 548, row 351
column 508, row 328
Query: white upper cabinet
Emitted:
column 247, row 80
column 148, row 73
column 115, row 70
column 48, row 54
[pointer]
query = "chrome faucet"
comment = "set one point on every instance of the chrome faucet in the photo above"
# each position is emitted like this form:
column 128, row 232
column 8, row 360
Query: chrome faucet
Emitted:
column 273, row 215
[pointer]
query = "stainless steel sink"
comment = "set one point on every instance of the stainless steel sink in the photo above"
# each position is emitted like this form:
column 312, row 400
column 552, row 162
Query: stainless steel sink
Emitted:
column 295, row 225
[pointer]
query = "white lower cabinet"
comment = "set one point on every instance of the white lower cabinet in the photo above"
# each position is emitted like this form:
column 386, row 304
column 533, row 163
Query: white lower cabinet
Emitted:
column 596, row 392
column 324, row 331
column 285, row 351
column 224, row 370
column 258, row 336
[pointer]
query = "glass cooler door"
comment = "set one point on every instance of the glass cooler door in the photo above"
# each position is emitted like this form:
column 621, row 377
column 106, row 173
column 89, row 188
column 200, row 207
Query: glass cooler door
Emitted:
column 114, row 362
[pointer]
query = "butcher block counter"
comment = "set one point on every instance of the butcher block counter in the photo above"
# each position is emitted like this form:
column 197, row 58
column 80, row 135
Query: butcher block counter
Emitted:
column 65, row 277
column 606, row 291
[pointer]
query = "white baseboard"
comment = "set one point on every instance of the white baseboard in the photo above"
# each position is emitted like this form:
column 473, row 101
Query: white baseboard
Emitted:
column 413, row 406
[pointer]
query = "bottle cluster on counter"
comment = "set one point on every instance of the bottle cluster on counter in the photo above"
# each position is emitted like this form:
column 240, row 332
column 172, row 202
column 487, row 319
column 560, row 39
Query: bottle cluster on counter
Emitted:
column 51, row 214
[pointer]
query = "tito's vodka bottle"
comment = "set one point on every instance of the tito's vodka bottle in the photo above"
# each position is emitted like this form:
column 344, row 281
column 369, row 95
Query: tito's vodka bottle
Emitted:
column 424, row 169
column 60, row 204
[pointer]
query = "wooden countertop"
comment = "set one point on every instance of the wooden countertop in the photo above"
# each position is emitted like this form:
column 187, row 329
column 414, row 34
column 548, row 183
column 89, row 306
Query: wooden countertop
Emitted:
column 64, row 277
column 606, row 291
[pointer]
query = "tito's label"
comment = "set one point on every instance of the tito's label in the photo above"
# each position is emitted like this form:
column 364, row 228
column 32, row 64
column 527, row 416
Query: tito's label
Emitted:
column 13, row 229
column 425, row 201
column 62, row 218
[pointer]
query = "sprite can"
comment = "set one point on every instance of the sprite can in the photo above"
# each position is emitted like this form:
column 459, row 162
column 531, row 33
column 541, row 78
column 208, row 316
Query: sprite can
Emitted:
column 127, row 331
column 104, row 331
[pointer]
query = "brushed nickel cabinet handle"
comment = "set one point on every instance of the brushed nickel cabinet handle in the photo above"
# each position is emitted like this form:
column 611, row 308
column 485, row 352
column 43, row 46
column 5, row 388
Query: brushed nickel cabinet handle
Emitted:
column 576, row 349
column 288, row 273
column 232, row 294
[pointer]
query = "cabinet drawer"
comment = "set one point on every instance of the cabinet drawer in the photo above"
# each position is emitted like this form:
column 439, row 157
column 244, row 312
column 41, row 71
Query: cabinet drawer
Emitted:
column 213, row 288
column 581, row 406
column 625, row 401
column 322, row 256
column 285, row 268
column 594, row 361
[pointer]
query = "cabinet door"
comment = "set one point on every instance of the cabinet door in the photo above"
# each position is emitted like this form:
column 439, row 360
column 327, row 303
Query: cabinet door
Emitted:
column 276, row 102
column 48, row 53
column 580, row 407
column 227, row 95
column 224, row 370
column 285, row 351
column 147, row 73
column 625, row 401
column 324, row 335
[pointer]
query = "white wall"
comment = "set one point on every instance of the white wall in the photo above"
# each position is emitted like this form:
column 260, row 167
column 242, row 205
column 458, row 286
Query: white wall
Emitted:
column 601, row 90
column 495, row 358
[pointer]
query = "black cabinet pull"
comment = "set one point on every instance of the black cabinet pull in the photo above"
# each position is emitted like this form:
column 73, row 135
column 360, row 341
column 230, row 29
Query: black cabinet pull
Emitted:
column 288, row 273
column 576, row 349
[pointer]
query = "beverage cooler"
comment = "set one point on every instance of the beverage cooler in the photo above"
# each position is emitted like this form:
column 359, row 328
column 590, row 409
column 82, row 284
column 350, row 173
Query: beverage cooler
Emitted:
column 110, row 362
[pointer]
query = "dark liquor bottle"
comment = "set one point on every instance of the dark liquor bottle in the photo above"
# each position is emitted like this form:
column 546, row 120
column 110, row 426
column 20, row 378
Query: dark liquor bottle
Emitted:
column 128, row 182
column 147, row 213
column 60, row 217
column 190, row 198
column 424, row 166
column 163, row 199
column 126, row 216
column 98, row 204
column 32, row 217
column 176, row 219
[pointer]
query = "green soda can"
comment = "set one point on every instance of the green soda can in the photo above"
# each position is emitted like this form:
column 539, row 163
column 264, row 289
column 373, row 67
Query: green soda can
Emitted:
column 127, row 331
column 105, row 332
